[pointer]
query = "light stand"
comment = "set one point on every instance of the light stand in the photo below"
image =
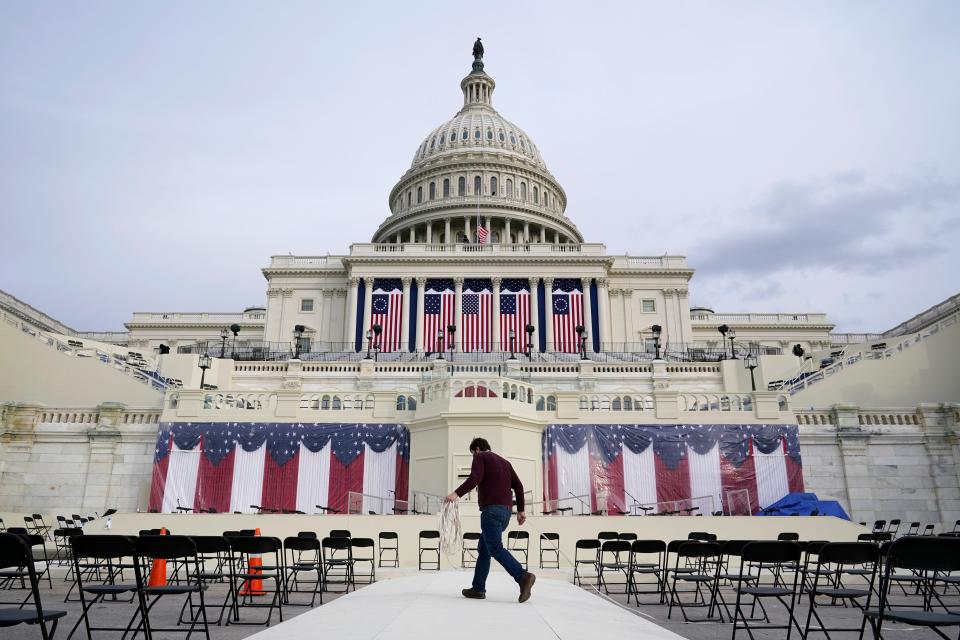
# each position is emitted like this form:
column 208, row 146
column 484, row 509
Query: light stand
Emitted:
column 297, row 335
column 377, row 330
column 205, row 363
column 513, row 343
column 733, row 352
column 529, row 329
column 750, row 362
column 369, row 342
column 581, row 340
column 723, row 329
column 452, row 339
column 224, row 334
column 440, row 348
column 235, row 328
column 657, row 331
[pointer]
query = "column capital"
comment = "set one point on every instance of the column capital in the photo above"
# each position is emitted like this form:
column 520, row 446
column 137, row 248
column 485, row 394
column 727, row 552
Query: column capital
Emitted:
column 354, row 281
column 548, row 283
column 603, row 283
column 627, row 293
column 586, row 283
column 328, row 293
column 458, row 281
column 496, row 281
column 405, row 281
column 669, row 293
column 615, row 292
column 534, row 281
column 683, row 293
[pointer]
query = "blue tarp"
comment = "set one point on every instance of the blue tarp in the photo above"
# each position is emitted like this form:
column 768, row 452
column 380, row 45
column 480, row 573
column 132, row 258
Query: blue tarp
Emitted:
column 804, row 504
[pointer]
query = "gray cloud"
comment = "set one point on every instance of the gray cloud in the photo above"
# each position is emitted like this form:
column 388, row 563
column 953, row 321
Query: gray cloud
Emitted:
column 845, row 223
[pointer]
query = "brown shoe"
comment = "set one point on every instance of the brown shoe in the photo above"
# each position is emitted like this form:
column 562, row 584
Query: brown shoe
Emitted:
column 476, row 595
column 526, row 584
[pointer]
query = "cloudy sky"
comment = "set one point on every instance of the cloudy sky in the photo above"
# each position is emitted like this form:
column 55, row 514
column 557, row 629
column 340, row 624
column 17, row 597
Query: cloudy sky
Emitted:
column 803, row 156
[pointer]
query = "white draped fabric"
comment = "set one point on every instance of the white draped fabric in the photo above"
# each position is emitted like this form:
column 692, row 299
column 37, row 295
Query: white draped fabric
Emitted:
column 180, row 487
column 313, row 479
column 705, row 483
column 379, row 479
column 247, row 488
column 639, row 477
column 772, row 481
column 573, row 477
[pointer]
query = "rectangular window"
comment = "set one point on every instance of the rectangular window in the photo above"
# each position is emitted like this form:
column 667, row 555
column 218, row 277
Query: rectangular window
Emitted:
column 306, row 304
column 650, row 345
column 648, row 306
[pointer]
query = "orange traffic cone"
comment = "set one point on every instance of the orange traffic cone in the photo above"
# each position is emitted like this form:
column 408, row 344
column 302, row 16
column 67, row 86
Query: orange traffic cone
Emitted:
column 158, row 573
column 254, row 586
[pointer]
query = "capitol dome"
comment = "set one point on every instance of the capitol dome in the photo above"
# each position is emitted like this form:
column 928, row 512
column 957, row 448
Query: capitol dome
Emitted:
column 477, row 167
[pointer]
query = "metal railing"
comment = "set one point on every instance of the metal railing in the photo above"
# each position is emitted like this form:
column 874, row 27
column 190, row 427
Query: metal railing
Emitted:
column 367, row 504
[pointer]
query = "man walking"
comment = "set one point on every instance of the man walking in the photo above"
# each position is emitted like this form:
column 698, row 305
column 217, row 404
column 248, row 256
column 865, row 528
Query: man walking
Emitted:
column 495, row 478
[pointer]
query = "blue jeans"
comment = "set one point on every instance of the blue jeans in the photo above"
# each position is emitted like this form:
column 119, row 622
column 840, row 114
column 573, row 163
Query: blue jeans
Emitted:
column 493, row 521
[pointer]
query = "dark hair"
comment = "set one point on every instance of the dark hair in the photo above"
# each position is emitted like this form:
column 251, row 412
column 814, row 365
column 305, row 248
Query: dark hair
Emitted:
column 479, row 443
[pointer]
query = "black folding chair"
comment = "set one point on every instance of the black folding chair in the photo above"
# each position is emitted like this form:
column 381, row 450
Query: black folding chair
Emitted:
column 361, row 552
column 590, row 557
column 639, row 565
column 339, row 533
column 215, row 551
column 469, row 549
column 930, row 560
column 337, row 563
column 248, row 570
column 429, row 544
column 695, row 554
column 35, row 540
column 614, row 557
column 183, row 550
column 390, row 545
column 16, row 557
column 831, row 560
column 603, row 536
column 773, row 557
column 99, row 564
column 550, row 546
column 518, row 543
column 302, row 555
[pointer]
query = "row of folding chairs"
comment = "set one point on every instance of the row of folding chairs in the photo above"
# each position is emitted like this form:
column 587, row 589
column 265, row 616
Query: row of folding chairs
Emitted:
column 908, row 580
column 915, row 528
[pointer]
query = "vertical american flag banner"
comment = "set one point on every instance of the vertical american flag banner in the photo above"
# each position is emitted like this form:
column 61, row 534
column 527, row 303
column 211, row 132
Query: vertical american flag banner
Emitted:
column 386, row 309
column 438, row 313
column 475, row 322
column 483, row 234
column 567, row 314
column 514, row 314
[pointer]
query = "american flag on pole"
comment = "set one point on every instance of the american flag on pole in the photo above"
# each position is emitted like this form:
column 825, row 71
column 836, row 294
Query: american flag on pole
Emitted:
column 476, row 314
column 438, row 311
column 514, row 314
column 386, row 310
column 567, row 314
column 482, row 233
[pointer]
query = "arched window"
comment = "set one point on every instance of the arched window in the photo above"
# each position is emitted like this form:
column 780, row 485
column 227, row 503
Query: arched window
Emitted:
column 409, row 196
column 419, row 195
column 325, row 403
column 411, row 403
column 489, row 134
column 465, row 134
column 477, row 185
column 336, row 403
column 627, row 403
column 501, row 137
column 476, row 134
column 440, row 140
column 583, row 402
column 446, row 187
column 368, row 402
column 493, row 186
column 401, row 403
column 462, row 186
column 509, row 188
column 453, row 136
column 523, row 191
column 551, row 403
column 616, row 404
column 433, row 190
column 546, row 198
column 541, row 405
column 536, row 195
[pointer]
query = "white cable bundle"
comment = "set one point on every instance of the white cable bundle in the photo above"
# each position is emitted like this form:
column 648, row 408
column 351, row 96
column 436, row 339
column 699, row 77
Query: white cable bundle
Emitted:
column 450, row 531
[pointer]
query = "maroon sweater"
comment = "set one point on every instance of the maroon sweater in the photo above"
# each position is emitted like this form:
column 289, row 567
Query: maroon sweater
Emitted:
column 495, row 478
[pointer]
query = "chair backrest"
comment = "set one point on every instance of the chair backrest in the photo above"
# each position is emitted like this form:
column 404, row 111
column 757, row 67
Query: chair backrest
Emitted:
column 648, row 546
column 339, row 533
column 627, row 536
column 587, row 544
column 211, row 544
column 471, row 535
column 925, row 554
column 879, row 525
column 701, row 535
column 429, row 535
column 307, row 534
column 615, row 546
column 788, row 535
column 767, row 551
column 246, row 533
column 103, row 547
column 389, row 535
column 301, row 543
column 14, row 551
column 166, row 547
column 928, row 530
column 255, row 544
column 698, row 549
column 734, row 547
column 335, row 544
column 849, row 553
column 608, row 535
column 362, row 543
column 20, row 531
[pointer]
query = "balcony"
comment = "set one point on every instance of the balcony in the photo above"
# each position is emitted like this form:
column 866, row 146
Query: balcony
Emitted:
column 472, row 250
column 811, row 319
column 174, row 317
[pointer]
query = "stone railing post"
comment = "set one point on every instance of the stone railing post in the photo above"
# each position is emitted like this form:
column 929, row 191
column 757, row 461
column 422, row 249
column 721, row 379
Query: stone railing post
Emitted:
column 854, row 446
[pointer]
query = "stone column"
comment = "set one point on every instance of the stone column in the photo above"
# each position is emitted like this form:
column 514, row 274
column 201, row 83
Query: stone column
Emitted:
column 548, row 316
column 603, row 312
column 103, row 439
column 350, row 331
column 543, row 235
column 421, row 287
column 629, row 329
column 405, row 318
column 325, row 332
column 466, row 227
column 446, row 232
column 429, row 232
column 367, row 303
column 587, row 312
column 535, row 314
column 854, row 445
column 413, row 233
column 526, row 232
column 506, row 232
column 495, row 315
column 458, row 311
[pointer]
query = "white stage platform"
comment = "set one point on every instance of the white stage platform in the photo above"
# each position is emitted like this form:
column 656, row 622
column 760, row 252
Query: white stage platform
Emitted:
column 430, row 606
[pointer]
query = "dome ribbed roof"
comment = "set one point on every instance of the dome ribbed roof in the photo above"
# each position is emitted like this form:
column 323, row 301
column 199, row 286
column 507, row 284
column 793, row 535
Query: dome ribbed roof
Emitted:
column 477, row 127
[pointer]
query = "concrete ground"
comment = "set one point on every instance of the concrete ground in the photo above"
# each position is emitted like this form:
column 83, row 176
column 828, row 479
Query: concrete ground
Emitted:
column 167, row 609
